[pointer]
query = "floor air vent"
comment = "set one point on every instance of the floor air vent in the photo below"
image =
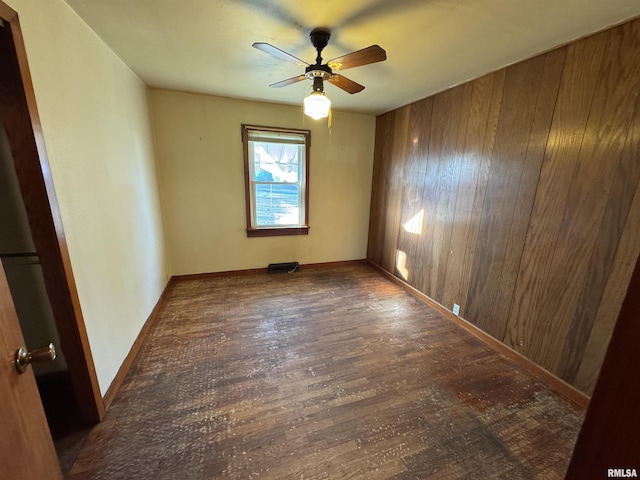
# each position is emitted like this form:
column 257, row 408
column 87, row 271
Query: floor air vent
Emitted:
column 289, row 267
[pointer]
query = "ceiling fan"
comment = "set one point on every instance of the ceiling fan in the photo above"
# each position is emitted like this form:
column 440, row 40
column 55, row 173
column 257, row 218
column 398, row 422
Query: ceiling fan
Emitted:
column 319, row 72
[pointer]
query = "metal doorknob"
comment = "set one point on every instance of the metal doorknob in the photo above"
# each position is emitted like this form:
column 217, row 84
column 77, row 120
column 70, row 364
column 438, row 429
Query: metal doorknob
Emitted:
column 43, row 354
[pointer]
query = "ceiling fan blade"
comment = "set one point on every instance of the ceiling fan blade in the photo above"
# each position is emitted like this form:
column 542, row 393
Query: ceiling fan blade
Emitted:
column 281, row 54
column 345, row 84
column 368, row 55
column 288, row 81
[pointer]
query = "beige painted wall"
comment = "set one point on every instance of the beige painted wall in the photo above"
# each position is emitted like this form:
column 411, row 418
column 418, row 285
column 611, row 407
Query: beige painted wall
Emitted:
column 199, row 153
column 95, row 119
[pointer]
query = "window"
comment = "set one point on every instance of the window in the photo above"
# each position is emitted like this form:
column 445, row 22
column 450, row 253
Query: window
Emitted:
column 276, row 180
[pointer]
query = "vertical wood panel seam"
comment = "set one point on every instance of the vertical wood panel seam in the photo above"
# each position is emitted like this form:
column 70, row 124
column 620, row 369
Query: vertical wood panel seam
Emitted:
column 618, row 246
column 535, row 195
column 560, row 367
column 490, row 162
column 556, row 234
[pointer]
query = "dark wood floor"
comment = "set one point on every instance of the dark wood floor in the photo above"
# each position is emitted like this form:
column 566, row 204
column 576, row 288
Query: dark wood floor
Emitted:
column 328, row 373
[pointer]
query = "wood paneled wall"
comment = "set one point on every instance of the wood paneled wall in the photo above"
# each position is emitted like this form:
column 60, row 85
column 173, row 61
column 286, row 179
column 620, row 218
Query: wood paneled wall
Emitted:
column 517, row 196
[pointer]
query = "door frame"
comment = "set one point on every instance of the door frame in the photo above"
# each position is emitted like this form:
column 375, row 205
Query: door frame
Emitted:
column 24, row 131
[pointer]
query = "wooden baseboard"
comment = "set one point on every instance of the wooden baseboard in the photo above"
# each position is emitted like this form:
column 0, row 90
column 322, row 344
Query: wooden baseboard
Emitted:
column 230, row 273
column 563, row 388
column 341, row 263
column 135, row 348
column 253, row 271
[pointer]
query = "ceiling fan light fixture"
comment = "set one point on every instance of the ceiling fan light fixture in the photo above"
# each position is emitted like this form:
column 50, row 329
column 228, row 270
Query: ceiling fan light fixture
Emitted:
column 317, row 105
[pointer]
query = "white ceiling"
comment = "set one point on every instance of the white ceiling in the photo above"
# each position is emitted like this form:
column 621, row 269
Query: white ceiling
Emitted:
column 204, row 46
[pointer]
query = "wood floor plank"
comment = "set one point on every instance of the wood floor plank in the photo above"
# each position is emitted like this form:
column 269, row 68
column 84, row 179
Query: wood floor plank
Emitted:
column 328, row 373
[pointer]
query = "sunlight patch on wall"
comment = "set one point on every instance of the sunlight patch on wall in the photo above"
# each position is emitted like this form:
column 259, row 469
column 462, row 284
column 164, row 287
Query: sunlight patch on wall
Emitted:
column 414, row 224
column 401, row 264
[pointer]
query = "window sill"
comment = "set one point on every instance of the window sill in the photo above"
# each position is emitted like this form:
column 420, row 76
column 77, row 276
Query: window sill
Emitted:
column 277, row 232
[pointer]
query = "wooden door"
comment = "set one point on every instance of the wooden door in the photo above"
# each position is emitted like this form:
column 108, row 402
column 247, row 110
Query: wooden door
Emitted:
column 26, row 448
column 19, row 117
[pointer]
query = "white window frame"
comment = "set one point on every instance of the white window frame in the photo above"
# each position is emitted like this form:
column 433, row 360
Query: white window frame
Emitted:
column 254, row 133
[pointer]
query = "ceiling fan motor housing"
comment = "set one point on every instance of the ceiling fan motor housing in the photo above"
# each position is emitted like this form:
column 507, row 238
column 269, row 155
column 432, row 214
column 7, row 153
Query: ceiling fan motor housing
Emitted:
column 320, row 37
